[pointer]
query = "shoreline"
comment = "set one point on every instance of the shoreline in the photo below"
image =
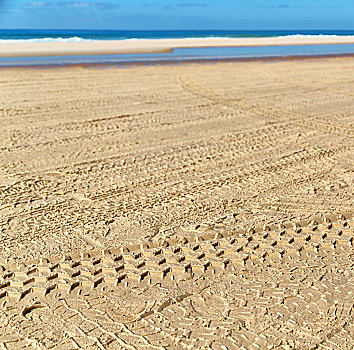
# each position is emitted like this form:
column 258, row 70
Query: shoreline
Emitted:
column 179, row 62
column 144, row 46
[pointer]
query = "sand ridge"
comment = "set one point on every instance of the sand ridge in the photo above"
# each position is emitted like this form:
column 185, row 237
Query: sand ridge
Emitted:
column 110, row 47
column 177, row 207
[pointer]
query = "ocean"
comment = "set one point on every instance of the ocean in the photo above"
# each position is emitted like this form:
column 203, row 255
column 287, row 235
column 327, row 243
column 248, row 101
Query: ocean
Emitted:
column 34, row 35
column 178, row 55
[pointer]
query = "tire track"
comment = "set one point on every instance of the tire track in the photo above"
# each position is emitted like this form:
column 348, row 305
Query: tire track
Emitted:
column 65, row 283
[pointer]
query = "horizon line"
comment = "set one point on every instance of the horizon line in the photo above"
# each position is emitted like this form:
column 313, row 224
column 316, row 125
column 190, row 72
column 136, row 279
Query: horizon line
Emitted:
column 173, row 30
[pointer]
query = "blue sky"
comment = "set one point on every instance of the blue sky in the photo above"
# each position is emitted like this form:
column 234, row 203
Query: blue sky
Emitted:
column 177, row 14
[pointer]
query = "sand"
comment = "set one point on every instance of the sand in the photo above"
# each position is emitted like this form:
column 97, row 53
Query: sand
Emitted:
column 199, row 206
column 154, row 45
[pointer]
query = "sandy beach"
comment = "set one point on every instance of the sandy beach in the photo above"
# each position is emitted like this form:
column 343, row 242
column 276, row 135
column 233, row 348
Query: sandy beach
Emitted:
column 193, row 206
column 154, row 45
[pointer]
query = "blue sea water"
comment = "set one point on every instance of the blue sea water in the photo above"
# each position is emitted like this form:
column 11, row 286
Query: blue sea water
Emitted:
column 178, row 55
column 35, row 34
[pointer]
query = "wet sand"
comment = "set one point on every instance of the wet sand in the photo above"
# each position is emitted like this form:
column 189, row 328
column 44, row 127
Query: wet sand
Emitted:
column 178, row 207
column 153, row 45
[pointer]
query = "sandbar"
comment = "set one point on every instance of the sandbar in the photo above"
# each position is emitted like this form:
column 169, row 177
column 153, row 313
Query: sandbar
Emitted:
column 154, row 45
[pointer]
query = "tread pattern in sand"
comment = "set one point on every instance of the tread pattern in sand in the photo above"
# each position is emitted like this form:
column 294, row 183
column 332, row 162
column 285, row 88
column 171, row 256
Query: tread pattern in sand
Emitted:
column 229, row 286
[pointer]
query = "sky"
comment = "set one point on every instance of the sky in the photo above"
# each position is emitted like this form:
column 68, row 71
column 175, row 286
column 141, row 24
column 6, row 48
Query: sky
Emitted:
column 177, row 14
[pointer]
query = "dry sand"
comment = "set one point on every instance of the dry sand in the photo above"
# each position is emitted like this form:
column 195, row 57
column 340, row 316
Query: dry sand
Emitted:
column 178, row 207
column 154, row 45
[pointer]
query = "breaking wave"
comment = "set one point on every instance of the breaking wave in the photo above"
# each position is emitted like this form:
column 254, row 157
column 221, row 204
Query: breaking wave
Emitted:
column 74, row 39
